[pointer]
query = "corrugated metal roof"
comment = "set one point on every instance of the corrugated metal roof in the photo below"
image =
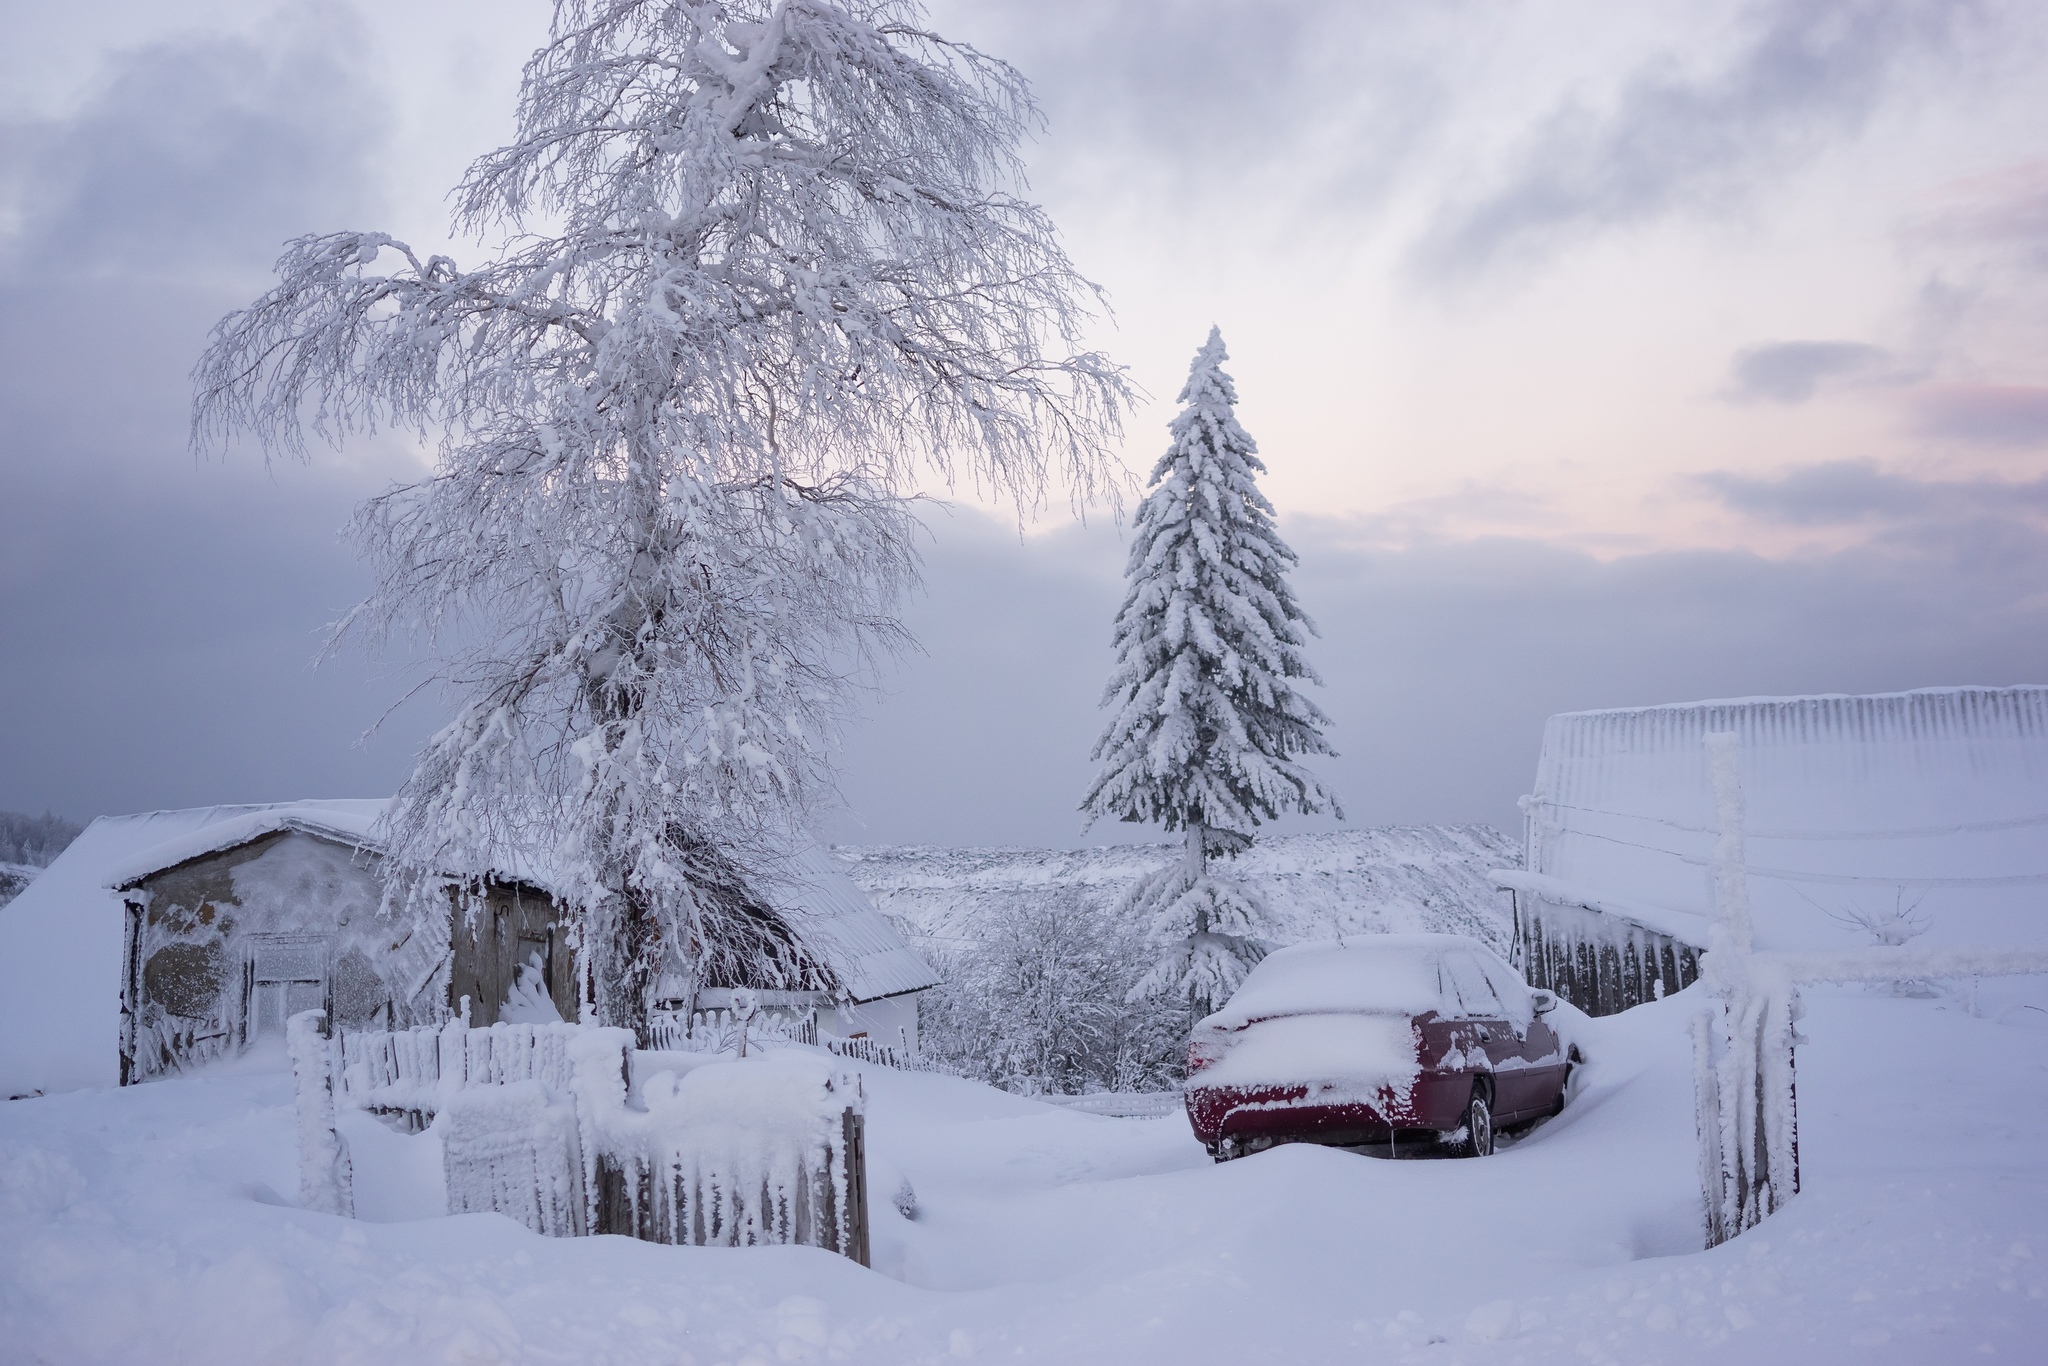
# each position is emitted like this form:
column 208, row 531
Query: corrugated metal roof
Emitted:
column 1931, row 803
column 838, row 922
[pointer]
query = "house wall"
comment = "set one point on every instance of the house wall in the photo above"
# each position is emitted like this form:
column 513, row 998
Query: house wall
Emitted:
column 496, row 933
column 222, row 949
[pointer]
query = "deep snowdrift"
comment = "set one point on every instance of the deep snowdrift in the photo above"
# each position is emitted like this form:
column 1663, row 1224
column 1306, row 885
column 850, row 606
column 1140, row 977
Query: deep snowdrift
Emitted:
column 153, row 1224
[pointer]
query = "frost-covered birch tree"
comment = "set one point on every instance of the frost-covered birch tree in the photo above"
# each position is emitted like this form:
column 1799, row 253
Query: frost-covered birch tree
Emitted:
column 762, row 266
column 1209, row 724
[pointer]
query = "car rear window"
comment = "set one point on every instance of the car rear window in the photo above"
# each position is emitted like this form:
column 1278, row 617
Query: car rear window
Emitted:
column 1512, row 990
column 1473, row 989
column 1364, row 977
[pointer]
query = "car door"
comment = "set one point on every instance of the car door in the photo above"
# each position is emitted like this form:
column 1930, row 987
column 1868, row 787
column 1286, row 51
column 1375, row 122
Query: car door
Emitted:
column 1541, row 1075
column 1491, row 1031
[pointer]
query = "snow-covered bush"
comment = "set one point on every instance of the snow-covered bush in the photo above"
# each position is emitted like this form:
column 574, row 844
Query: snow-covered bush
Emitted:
column 1041, row 1003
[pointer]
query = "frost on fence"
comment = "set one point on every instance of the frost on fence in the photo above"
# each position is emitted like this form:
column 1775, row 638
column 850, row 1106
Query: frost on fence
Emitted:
column 513, row 1149
column 570, row 1130
column 326, row 1181
column 767, row 1150
column 409, row 1074
column 718, row 1031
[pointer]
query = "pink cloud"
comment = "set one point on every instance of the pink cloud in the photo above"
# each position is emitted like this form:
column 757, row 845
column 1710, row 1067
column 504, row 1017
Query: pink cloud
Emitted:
column 1985, row 414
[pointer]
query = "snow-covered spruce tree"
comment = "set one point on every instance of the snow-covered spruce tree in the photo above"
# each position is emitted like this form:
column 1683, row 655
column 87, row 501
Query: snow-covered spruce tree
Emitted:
column 760, row 270
column 1208, row 723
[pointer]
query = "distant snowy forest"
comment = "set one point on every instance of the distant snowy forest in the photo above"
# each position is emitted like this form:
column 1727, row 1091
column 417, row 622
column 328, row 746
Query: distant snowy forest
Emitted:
column 29, row 844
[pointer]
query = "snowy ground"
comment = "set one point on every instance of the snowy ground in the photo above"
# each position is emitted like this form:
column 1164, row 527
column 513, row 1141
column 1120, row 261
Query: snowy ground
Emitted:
column 157, row 1224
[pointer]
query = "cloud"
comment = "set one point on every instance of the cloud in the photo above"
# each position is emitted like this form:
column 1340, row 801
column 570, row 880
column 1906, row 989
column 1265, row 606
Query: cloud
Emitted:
column 1985, row 414
column 1839, row 492
column 199, row 156
column 2007, row 208
column 1808, row 71
column 1201, row 99
column 1790, row 372
column 160, row 615
column 1442, row 659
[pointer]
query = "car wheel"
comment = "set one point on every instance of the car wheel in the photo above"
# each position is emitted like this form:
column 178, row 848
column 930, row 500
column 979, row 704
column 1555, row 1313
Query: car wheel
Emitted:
column 1227, row 1148
column 1478, row 1127
column 1564, row 1091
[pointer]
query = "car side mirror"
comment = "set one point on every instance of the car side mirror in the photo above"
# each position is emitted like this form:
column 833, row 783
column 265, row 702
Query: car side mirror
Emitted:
column 1546, row 1001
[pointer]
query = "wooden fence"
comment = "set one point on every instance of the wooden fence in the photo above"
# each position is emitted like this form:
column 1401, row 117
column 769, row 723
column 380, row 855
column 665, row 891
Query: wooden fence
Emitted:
column 408, row 1074
column 571, row 1130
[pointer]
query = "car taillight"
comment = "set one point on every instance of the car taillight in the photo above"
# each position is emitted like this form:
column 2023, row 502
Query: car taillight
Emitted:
column 1204, row 1049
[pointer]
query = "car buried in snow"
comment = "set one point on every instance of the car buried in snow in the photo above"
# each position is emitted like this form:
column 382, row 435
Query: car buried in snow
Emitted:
column 1381, row 1042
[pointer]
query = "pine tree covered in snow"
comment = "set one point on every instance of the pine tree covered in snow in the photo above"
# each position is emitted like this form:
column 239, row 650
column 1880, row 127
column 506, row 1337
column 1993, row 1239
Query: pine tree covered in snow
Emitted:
column 760, row 272
column 1208, row 724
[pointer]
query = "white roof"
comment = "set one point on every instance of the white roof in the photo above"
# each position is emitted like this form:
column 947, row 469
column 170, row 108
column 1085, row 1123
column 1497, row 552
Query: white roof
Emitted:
column 836, row 921
column 832, row 915
column 350, row 822
column 1854, row 806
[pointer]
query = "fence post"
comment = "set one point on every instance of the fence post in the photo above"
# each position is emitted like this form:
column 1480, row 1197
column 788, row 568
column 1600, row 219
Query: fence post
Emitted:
column 855, row 1126
column 326, row 1178
column 1706, row 1084
column 1754, row 1146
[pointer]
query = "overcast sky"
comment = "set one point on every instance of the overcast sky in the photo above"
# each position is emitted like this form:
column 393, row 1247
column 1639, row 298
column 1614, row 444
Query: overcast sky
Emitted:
column 1600, row 355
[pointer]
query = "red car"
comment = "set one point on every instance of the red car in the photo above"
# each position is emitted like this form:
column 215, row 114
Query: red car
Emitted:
column 1373, row 1041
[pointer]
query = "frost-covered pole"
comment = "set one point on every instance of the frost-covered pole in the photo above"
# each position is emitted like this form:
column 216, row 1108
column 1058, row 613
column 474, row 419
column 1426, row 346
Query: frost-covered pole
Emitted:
column 326, row 1178
column 1707, row 1122
column 1749, row 1127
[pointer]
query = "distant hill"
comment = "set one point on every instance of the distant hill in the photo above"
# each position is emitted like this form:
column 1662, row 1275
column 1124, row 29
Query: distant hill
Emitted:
column 1386, row 879
column 29, row 844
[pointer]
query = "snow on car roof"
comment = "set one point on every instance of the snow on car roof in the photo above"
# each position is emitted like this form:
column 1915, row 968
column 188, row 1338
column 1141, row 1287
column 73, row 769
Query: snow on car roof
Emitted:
column 1393, row 974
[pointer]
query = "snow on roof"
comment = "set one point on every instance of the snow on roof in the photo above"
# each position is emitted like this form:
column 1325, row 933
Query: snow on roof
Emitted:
column 60, row 951
column 1930, row 805
column 1681, row 925
column 350, row 822
column 838, row 922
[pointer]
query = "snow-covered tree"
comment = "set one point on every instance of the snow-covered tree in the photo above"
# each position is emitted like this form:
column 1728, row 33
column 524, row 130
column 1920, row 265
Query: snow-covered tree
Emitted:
column 761, row 270
column 1039, row 1002
column 1209, row 724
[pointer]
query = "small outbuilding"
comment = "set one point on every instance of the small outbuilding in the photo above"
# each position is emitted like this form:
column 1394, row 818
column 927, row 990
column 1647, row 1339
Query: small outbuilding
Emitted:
column 170, row 937
column 1917, row 816
column 238, row 925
